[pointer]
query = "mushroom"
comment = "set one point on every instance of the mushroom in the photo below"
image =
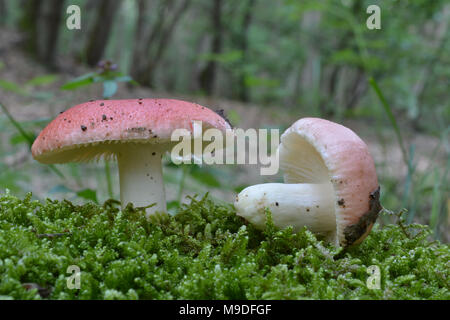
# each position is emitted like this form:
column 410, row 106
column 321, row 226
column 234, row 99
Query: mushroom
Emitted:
column 330, row 185
column 137, row 132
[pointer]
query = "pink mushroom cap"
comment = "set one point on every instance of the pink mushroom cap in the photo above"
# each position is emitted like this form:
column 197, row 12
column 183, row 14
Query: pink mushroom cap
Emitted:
column 315, row 150
column 92, row 129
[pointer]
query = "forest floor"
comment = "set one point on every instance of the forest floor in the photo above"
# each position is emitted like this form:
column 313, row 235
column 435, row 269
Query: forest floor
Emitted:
column 46, row 101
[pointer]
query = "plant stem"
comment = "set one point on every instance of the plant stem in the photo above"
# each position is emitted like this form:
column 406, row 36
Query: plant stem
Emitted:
column 108, row 179
column 27, row 137
column 17, row 125
column 388, row 110
column 182, row 181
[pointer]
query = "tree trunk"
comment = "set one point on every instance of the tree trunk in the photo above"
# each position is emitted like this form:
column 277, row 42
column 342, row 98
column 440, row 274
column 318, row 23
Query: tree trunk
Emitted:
column 356, row 90
column 155, row 42
column 246, row 21
column 144, row 41
column 240, row 41
column 28, row 23
column 49, row 26
column 138, row 56
column 208, row 74
column 41, row 21
column 3, row 10
column 99, row 35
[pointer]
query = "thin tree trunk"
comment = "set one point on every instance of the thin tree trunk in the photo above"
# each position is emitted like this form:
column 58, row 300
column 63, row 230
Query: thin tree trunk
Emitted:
column 356, row 90
column 3, row 10
column 49, row 26
column 119, row 40
column 311, row 69
column 167, row 34
column 28, row 23
column 144, row 42
column 99, row 35
column 41, row 21
column 157, row 41
column 243, row 89
column 208, row 74
column 138, row 50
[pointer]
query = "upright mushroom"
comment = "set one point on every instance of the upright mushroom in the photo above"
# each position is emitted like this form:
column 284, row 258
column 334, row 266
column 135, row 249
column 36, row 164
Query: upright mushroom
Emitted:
column 135, row 131
column 330, row 185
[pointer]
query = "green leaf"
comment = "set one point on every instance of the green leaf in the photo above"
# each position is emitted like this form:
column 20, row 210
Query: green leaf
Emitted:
column 18, row 138
column 88, row 194
column 79, row 82
column 109, row 88
column 205, row 178
column 17, row 125
column 172, row 206
column 42, row 80
column 234, row 117
column 11, row 86
column 107, row 76
column 123, row 79
column 239, row 188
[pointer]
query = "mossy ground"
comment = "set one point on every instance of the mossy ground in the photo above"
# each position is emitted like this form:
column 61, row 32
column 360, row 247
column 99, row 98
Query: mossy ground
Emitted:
column 203, row 252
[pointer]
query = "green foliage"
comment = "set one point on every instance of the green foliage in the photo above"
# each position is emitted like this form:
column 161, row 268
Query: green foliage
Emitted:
column 11, row 86
column 43, row 80
column 29, row 89
column 203, row 252
column 105, row 75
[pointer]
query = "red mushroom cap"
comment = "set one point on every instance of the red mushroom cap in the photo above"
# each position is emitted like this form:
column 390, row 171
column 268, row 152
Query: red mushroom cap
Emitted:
column 92, row 129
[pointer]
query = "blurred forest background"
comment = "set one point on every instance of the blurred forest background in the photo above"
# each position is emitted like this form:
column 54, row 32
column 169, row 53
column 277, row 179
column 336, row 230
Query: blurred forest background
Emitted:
column 267, row 63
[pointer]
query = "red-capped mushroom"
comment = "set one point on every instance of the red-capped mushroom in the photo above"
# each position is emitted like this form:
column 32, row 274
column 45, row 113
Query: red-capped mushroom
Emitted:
column 330, row 187
column 136, row 131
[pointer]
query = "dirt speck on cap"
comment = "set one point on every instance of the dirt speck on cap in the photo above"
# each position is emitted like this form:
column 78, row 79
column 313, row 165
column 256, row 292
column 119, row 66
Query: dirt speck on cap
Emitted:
column 137, row 129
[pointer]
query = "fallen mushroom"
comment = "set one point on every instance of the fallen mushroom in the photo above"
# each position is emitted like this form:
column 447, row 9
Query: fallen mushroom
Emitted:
column 330, row 185
column 137, row 132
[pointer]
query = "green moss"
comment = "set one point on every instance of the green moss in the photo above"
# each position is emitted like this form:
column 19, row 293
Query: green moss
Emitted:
column 203, row 252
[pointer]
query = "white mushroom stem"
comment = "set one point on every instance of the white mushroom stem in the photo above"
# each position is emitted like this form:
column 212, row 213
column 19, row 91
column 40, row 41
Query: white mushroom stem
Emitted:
column 140, row 175
column 297, row 205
